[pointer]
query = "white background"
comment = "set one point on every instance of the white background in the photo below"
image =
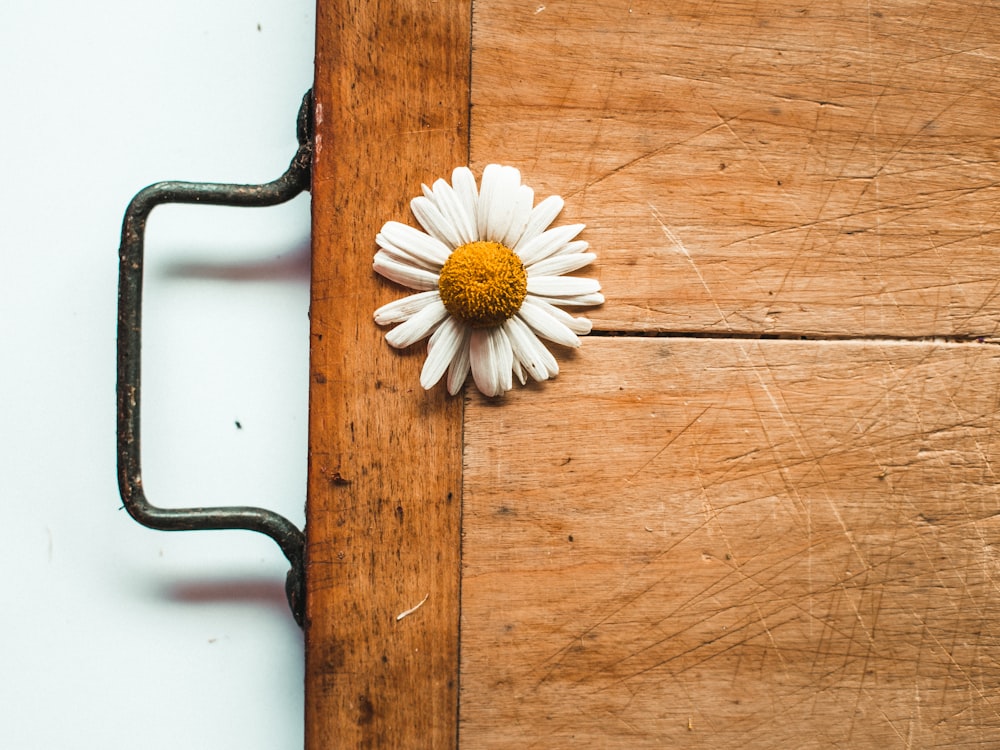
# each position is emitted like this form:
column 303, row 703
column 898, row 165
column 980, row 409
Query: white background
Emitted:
column 113, row 635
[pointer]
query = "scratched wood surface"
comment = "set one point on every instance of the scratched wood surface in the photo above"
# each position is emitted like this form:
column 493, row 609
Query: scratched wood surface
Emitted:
column 760, row 544
column 727, row 542
column 706, row 542
column 761, row 167
column 383, row 515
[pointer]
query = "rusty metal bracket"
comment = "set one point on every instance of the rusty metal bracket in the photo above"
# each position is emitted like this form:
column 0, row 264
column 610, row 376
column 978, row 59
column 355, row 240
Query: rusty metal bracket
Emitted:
column 289, row 538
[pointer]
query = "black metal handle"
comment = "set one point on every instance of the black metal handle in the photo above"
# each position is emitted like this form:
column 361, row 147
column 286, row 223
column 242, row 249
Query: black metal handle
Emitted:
column 289, row 538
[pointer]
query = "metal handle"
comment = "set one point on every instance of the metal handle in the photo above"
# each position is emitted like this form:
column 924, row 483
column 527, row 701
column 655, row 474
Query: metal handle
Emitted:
column 289, row 538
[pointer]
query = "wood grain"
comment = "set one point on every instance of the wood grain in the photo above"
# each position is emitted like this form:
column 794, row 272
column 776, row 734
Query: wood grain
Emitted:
column 716, row 542
column 383, row 517
column 826, row 169
column 759, row 544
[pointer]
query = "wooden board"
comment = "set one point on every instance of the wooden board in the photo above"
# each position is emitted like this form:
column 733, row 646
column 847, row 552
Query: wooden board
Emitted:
column 384, row 456
column 705, row 544
column 760, row 167
column 713, row 542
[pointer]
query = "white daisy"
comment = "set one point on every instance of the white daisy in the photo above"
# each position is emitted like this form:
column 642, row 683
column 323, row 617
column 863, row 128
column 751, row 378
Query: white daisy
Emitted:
column 489, row 275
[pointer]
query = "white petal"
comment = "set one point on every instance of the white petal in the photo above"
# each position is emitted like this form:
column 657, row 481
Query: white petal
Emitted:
column 402, row 309
column 576, row 246
column 483, row 361
column 545, row 325
column 464, row 184
column 491, row 175
column 560, row 264
column 414, row 278
column 562, row 286
column 580, row 326
column 548, row 243
column 519, row 370
column 454, row 210
column 435, row 222
column 524, row 197
column 505, row 354
column 407, row 259
column 581, row 300
column 418, row 326
column 508, row 354
column 501, row 205
column 412, row 240
column 538, row 221
column 459, row 368
column 441, row 351
column 492, row 360
column 529, row 351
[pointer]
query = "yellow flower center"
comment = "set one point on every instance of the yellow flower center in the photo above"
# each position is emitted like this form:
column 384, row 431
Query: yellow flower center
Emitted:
column 483, row 283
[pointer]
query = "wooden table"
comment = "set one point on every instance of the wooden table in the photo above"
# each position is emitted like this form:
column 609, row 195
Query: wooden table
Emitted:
column 758, row 508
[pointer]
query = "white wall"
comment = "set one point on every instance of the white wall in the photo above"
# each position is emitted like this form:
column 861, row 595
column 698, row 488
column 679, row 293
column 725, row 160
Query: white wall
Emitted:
column 112, row 635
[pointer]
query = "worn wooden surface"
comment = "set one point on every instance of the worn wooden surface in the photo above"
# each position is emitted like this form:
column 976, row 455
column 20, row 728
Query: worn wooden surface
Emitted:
column 756, row 544
column 384, row 465
column 760, row 167
column 713, row 542
column 729, row 542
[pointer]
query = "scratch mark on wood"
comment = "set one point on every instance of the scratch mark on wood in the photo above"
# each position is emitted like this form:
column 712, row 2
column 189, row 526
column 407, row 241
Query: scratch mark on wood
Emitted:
column 670, row 442
column 678, row 245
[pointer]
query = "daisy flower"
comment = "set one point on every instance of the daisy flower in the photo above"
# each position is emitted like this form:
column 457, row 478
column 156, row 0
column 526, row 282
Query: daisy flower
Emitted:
column 489, row 276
